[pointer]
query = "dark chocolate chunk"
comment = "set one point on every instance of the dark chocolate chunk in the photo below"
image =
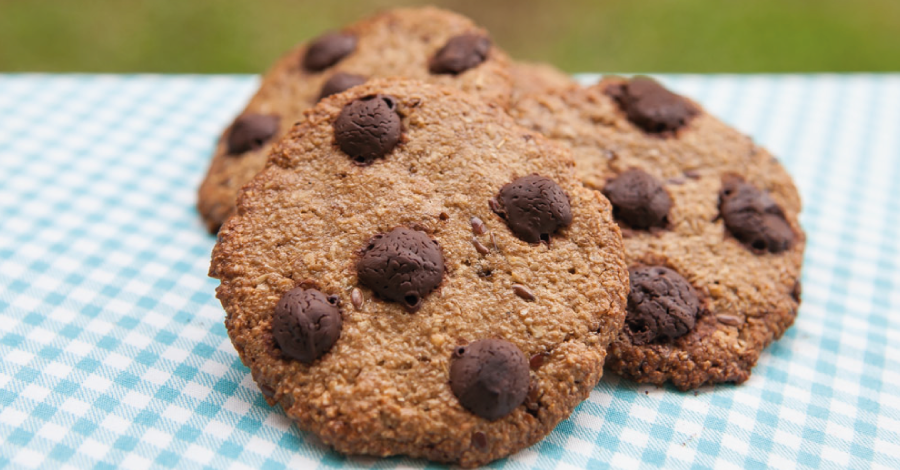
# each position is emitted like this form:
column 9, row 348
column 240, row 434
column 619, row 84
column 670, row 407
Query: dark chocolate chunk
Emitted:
column 251, row 132
column 753, row 217
column 306, row 324
column 662, row 305
column 460, row 53
column 368, row 128
column 638, row 199
column 327, row 50
column 648, row 105
column 341, row 82
column 489, row 377
column 534, row 207
column 402, row 265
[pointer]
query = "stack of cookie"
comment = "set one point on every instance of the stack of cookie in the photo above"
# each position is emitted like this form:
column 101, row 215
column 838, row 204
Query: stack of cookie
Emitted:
column 426, row 249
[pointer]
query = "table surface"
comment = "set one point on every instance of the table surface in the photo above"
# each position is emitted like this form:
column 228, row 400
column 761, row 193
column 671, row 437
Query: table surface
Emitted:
column 114, row 352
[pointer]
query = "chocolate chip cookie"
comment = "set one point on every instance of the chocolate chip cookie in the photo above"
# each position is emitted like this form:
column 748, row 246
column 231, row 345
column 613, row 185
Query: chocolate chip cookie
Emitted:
column 413, row 273
column 709, row 221
column 427, row 44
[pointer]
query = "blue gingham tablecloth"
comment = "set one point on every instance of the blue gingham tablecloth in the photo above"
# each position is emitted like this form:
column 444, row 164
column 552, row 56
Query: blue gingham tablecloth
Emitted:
column 113, row 352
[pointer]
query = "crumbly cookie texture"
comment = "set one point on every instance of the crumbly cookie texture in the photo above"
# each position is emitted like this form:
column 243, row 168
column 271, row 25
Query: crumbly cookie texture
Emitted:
column 427, row 44
column 316, row 219
column 529, row 78
column 727, row 222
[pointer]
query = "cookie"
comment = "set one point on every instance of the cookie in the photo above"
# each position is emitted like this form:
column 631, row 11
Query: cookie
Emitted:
column 427, row 44
column 529, row 79
column 709, row 220
column 475, row 283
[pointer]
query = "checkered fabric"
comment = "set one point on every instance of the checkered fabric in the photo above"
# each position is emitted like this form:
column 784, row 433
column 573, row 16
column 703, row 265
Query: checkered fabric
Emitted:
column 113, row 352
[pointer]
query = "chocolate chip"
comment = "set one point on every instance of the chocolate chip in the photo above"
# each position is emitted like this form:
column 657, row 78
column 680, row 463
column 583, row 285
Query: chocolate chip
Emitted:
column 251, row 132
column 523, row 292
column 328, row 50
column 650, row 106
column 662, row 305
column 753, row 217
column 402, row 265
column 368, row 128
column 306, row 324
column 638, row 199
column 534, row 207
column 489, row 377
column 460, row 53
column 340, row 82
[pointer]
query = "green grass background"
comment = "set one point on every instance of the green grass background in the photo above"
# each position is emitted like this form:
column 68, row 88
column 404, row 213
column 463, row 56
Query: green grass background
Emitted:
column 226, row 36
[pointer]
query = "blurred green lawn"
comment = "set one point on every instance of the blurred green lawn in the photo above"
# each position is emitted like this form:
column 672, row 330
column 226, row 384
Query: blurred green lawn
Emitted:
column 226, row 36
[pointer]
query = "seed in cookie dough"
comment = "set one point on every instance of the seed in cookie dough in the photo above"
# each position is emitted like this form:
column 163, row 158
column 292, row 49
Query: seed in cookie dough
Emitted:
column 340, row 82
column 753, row 217
column 460, row 53
column 638, row 199
column 479, row 439
column 356, row 298
column 328, row 50
column 730, row 320
column 306, row 324
column 523, row 292
column 489, row 377
column 267, row 390
column 479, row 247
column 478, row 227
column 534, row 207
column 368, row 128
column 251, row 132
column 402, row 265
column 648, row 105
column 537, row 360
column 662, row 305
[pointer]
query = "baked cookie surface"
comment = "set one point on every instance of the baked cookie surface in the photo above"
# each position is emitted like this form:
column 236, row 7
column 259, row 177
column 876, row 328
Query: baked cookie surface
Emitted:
column 700, row 205
column 530, row 78
column 459, row 341
column 427, row 44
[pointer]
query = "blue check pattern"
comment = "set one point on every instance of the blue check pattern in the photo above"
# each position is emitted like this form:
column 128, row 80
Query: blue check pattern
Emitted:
column 113, row 352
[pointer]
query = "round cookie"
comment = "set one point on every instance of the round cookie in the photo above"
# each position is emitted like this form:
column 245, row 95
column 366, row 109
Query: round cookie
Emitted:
column 418, row 253
column 696, row 200
column 427, row 44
